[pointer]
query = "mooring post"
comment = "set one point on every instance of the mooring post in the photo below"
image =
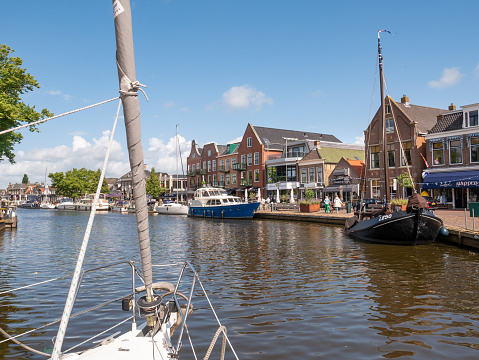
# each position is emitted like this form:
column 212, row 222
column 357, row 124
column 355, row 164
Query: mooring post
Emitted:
column 465, row 217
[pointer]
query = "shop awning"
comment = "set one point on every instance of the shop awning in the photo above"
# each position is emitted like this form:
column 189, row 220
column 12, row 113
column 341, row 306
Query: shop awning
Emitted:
column 453, row 179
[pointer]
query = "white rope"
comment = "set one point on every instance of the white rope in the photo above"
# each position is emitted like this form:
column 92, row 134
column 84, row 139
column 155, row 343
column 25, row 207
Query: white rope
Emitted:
column 77, row 273
column 56, row 116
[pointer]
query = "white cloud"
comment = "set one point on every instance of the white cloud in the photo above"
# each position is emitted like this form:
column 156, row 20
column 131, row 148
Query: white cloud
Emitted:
column 90, row 154
column 162, row 156
column 359, row 140
column 237, row 140
column 318, row 94
column 169, row 105
column 66, row 97
column 243, row 97
column 450, row 76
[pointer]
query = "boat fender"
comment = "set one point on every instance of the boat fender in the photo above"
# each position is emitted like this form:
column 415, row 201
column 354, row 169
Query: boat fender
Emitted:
column 444, row 231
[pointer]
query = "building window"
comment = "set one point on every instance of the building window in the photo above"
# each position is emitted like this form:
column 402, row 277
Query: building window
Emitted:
column 311, row 175
column 249, row 142
column 256, row 175
column 194, row 155
column 455, row 152
column 221, row 165
column 304, row 178
column 388, row 109
column 214, row 178
column 474, row 149
column 250, row 176
column 374, row 151
column 390, row 125
column 227, row 164
column 250, row 159
column 204, row 165
column 222, row 180
column 209, row 153
column 438, row 153
column 473, row 121
column 214, row 165
column 227, row 179
column 319, row 173
column 233, row 178
column 256, row 158
column 375, row 188
column 193, row 167
column 209, row 166
column 391, row 155
column 233, row 162
column 406, row 154
column 291, row 173
column 209, row 179
column 243, row 158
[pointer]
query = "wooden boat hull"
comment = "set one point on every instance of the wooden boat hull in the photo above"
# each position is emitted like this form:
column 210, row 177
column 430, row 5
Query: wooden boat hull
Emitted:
column 399, row 228
column 237, row 211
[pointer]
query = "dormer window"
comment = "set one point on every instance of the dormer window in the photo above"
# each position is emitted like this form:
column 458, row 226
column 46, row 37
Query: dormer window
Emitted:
column 249, row 141
column 473, row 121
column 194, row 155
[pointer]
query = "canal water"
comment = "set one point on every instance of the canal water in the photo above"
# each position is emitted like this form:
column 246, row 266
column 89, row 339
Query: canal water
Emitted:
column 283, row 289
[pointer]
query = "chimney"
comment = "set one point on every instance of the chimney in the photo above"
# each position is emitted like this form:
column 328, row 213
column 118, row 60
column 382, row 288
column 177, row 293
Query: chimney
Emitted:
column 405, row 100
column 452, row 107
column 316, row 144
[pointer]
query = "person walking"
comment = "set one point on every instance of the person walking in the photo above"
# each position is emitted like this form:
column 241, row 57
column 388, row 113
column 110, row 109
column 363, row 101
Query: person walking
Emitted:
column 326, row 204
column 337, row 203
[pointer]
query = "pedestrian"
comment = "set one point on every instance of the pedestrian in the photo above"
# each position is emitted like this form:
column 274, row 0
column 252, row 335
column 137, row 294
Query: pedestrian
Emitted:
column 326, row 204
column 337, row 203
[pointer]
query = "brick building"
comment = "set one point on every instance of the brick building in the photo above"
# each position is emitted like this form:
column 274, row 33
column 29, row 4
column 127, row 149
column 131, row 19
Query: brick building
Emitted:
column 453, row 157
column 406, row 127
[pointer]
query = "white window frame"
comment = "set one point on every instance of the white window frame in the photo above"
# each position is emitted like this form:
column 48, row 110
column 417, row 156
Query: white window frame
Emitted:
column 249, row 142
column 256, row 158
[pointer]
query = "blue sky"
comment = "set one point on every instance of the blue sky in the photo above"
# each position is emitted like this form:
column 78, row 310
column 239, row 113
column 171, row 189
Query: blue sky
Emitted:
column 214, row 66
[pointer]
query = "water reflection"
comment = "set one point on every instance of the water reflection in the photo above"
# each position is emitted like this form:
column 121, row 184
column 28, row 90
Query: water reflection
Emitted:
column 280, row 288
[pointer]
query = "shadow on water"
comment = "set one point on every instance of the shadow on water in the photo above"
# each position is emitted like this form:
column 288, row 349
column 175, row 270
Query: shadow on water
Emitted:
column 280, row 288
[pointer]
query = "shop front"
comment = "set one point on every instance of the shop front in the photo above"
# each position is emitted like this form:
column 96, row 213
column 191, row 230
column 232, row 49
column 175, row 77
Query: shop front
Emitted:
column 455, row 188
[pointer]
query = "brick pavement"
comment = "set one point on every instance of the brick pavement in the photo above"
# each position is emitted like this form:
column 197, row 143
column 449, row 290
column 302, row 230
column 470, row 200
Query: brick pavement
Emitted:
column 452, row 218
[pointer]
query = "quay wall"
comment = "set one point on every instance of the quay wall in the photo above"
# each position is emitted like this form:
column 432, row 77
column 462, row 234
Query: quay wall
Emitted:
column 458, row 236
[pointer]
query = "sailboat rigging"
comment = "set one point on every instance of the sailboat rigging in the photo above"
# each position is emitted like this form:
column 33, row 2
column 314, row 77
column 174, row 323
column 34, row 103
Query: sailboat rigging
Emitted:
column 156, row 337
column 169, row 207
column 414, row 226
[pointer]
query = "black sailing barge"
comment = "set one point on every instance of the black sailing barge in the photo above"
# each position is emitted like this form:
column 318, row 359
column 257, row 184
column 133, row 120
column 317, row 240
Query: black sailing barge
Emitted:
column 414, row 226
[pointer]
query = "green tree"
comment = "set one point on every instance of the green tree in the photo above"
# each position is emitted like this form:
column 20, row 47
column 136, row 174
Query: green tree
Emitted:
column 153, row 185
column 405, row 180
column 77, row 182
column 25, row 179
column 15, row 81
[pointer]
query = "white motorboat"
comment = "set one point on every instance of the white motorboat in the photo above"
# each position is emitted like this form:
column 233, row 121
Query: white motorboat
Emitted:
column 216, row 203
column 47, row 205
column 85, row 204
column 172, row 208
column 120, row 206
column 66, row 204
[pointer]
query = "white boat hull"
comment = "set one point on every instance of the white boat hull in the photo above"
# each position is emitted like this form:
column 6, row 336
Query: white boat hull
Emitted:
column 172, row 209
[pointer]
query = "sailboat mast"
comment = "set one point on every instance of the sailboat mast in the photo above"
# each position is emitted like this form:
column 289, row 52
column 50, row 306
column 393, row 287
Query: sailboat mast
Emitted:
column 176, row 154
column 383, row 122
column 131, row 110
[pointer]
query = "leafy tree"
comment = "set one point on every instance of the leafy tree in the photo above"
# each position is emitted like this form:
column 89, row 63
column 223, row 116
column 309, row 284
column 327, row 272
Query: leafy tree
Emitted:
column 77, row 183
column 405, row 180
column 15, row 81
column 153, row 185
column 25, row 179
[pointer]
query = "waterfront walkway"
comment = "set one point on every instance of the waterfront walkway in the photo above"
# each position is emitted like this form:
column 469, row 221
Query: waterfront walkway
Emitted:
column 453, row 219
